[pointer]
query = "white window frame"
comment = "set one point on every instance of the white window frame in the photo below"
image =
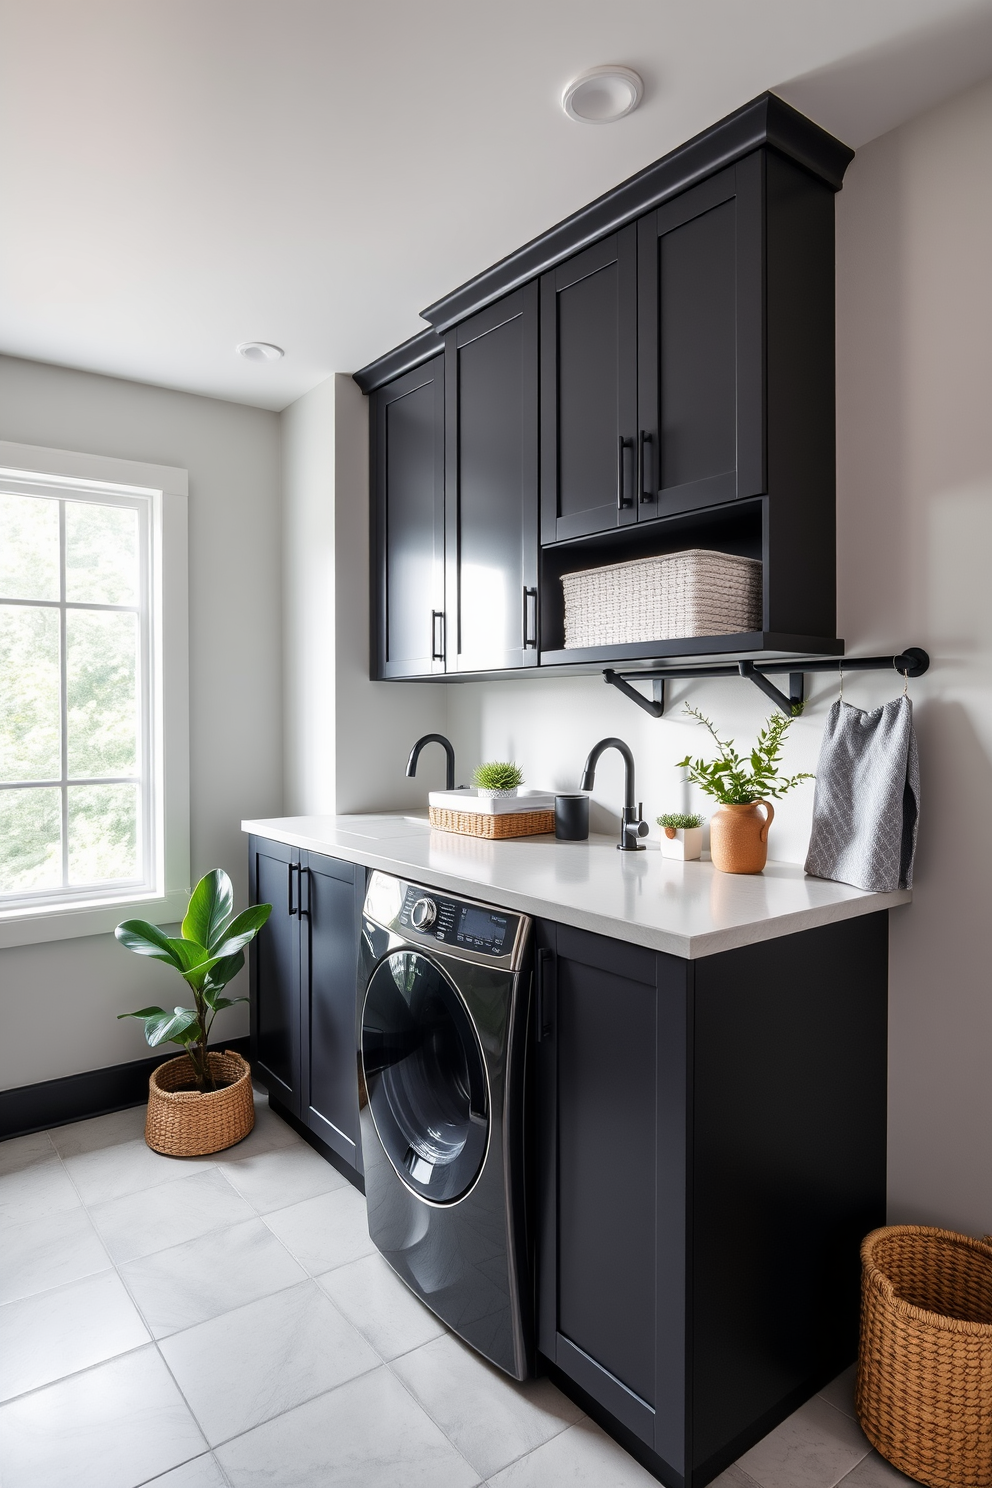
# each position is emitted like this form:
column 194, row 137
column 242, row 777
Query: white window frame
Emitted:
column 163, row 491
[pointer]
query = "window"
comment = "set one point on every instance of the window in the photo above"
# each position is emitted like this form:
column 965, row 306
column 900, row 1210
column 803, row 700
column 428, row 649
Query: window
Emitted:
column 92, row 664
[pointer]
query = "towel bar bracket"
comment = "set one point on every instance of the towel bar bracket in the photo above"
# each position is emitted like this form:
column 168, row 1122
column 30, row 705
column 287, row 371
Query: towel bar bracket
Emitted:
column 912, row 661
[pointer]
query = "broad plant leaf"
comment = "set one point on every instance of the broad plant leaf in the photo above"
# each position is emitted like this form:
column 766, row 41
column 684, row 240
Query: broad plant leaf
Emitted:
column 181, row 1026
column 210, row 908
column 225, row 971
column 141, row 1013
column 147, row 940
column 244, row 928
column 218, row 1004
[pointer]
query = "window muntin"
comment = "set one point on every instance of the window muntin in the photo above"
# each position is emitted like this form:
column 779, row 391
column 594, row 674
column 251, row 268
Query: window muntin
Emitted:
column 80, row 793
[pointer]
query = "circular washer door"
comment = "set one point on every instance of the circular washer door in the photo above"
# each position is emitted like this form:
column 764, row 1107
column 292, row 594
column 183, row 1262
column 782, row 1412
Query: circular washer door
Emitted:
column 425, row 1076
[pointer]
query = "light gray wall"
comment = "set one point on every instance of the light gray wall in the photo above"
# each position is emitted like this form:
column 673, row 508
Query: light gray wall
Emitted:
column 347, row 739
column 58, row 1002
column 914, row 335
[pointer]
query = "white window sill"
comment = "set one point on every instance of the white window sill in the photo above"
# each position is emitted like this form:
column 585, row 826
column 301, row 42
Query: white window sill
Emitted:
column 32, row 926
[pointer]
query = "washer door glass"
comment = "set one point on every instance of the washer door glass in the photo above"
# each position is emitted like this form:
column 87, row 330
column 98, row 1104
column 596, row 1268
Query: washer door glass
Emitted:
column 425, row 1077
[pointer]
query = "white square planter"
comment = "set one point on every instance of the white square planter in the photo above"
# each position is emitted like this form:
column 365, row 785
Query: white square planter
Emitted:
column 685, row 845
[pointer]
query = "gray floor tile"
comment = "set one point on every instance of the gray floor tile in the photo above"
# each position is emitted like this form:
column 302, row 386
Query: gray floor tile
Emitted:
column 99, row 1132
column 202, row 1472
column 269, row 1133
column 189, row 1283
column 874, row 1472
column 840, row 1392
column 366, row 1434
column 581, row 1457
column 258, row 1361
column 324, row 1232
column 106, row 1172
column 111, row 1427
column 34, row 1190
column 24, row 1152
column 156, row 1218
column 47, row 1252
column 287, row 1175
column 734, row 1477
column 373, row 1298
column 814, row 1448
column 52, row 1334
column 491, row 1419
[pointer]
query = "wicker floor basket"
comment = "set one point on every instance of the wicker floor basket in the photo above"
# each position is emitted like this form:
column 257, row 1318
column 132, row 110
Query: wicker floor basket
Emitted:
column 184, row 1123
column 924, row 1394
column 477, row 824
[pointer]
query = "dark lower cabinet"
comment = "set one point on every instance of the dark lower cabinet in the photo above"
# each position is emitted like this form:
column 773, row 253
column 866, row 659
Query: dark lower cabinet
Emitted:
column 303, row 990
column 711, row 1151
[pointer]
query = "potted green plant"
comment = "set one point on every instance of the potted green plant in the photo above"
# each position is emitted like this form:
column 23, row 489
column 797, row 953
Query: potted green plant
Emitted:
column 201, row 1101
column 742, row 783
column 498, row 780
column 682, row 835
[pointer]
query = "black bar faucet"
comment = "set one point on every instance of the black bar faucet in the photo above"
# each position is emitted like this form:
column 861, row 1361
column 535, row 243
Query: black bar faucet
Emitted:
column 449, row 771
column 632, row 824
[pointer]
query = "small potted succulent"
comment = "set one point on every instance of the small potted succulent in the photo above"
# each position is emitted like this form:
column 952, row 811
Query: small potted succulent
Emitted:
column 742, row 783
column 201, row 1101
column 498, row 780
column 682, row 835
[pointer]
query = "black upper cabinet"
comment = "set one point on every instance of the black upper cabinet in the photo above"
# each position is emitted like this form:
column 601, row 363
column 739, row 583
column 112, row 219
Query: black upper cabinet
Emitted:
column 491, row 539
column 672, row 344
column 408, row 484
column 700, row 394
column 589, row 390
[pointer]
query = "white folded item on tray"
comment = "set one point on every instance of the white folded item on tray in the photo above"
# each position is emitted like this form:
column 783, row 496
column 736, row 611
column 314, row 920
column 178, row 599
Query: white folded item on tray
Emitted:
column 482, row 803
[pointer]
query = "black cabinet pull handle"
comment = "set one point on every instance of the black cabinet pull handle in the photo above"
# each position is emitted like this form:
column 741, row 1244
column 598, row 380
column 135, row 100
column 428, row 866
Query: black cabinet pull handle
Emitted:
column 622, row 500
column 299, row 891
column 644, row 490
column 530, row 632
column 437, row 646
column 289, row 876
column 545, row 959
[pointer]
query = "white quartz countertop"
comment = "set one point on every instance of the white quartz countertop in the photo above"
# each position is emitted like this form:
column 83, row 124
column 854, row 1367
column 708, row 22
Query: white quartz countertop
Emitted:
column 686, row 909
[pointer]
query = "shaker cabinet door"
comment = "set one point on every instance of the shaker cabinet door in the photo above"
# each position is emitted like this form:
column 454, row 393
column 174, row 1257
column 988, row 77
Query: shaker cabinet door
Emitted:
column 408, row 461
column 700, row 344
column 274, row 878
column 330, row 1041
column 491, row 536
column 589, row 454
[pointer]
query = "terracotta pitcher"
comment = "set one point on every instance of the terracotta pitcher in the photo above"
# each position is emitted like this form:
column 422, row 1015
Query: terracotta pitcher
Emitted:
column 739, row 837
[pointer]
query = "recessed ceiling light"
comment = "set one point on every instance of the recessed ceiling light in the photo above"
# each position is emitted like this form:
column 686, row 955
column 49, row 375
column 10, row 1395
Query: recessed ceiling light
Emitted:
column 260, row 351
column 602, row 95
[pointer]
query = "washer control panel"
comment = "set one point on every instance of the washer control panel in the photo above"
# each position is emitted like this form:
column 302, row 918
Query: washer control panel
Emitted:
column 470, row 927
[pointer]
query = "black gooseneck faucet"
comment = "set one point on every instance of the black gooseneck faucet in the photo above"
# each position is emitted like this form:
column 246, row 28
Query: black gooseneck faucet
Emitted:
column 446, row 745
column 632, row 825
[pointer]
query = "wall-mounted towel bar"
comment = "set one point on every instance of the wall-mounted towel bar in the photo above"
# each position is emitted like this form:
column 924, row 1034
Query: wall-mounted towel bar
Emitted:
column 912, row 662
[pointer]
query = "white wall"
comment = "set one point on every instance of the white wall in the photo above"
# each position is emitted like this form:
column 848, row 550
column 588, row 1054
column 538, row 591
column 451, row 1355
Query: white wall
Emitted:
column 58, row 1002
column 914, row 332
column 347, row 739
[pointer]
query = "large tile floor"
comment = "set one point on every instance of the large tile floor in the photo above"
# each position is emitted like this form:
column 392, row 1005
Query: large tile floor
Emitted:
column 226, row 1320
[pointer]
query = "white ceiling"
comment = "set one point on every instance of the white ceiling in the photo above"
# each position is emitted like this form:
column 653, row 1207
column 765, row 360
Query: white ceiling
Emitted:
column 182, row 175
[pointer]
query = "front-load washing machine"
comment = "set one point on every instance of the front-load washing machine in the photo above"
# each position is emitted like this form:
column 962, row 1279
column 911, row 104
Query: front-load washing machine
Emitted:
column 443, row 991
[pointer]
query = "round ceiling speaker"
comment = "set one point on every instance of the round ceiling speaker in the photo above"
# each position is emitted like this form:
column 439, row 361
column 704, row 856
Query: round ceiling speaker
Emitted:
column 260, row 351
column 602, row 95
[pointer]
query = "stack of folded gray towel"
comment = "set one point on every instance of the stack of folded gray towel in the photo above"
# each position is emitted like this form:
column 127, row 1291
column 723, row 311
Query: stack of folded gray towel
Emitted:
column 867, row 803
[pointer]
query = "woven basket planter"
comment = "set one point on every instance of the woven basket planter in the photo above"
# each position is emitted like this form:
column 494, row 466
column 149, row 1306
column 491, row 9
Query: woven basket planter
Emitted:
column 184, row 1123
column 924, row 1395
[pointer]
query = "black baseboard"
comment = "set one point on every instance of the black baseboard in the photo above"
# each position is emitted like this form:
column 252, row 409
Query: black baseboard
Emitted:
column 327, row 1153
column 31, row 1108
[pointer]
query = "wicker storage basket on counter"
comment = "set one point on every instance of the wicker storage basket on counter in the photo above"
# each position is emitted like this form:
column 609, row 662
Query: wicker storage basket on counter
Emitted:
column 693, row 593
column 479, row 824
column 184, row 1123
column 924, row 1395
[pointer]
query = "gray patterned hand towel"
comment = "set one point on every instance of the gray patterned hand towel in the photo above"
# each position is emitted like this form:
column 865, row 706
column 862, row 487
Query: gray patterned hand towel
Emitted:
column 867, row 801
